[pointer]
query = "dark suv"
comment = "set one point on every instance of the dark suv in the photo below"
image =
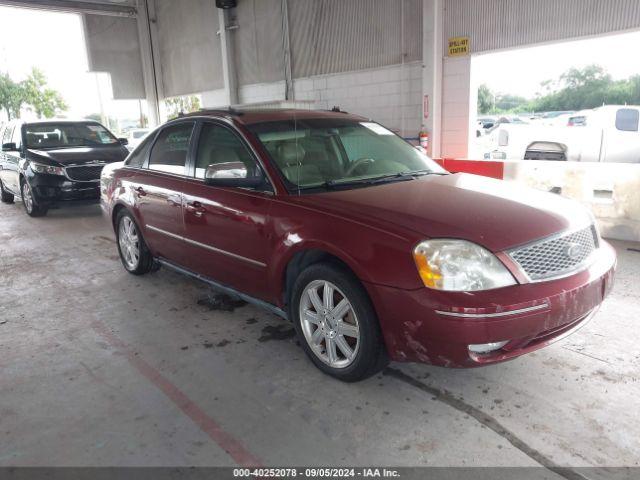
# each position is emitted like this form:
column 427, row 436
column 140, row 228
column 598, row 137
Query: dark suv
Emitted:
column 47, row 162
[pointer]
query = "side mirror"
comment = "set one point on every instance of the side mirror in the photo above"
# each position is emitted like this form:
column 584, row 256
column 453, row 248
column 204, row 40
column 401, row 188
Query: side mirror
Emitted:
column 9, row 147
column 231, row 174
column 123, row 141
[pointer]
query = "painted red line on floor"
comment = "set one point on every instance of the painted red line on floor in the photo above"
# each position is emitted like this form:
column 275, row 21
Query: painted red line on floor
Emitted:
column 208, row 425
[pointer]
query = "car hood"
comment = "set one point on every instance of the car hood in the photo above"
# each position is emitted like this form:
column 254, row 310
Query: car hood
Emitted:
column 496, row 214
column 79, row 155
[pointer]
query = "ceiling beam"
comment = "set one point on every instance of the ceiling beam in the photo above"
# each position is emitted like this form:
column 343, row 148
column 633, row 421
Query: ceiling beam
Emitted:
column 73, row 6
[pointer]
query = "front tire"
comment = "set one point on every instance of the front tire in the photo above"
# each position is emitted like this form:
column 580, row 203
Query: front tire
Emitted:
column 134, row 253
column 336, row 323
column 31, row 205
column 5, row 196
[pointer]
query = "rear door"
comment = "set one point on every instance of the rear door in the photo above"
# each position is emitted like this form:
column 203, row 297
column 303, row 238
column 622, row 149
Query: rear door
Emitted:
column 157, row 191
column 226, row 228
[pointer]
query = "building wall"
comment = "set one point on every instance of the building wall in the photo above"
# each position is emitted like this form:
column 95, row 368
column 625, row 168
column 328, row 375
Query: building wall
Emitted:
column 187, row 47
column 456, row 103
column 500, row 24
column 113, row 47
column 390, row 95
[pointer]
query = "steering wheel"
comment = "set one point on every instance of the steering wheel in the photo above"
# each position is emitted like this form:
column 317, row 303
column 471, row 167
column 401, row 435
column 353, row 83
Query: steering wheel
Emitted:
column 357, row 164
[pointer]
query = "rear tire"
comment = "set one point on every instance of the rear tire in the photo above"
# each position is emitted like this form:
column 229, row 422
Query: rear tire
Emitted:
column 5, row 196
column 336, row 323
column 31, row 204
column 134, row 253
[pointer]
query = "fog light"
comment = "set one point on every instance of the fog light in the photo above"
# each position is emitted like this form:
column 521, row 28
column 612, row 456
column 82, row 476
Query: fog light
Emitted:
column 487, row 347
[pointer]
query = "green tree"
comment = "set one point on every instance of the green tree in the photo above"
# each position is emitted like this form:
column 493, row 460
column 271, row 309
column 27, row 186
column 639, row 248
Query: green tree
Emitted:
column 45, row 101
column 185, row 104
column 33, row 92
column 485, row 99
column 11, row 96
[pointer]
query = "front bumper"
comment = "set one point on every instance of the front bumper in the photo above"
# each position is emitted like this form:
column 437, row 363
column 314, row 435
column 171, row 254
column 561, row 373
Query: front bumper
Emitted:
column 437, row 327
column 52, row 189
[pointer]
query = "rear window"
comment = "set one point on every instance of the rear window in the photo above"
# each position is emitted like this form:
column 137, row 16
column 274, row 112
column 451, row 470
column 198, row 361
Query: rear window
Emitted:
column 627, row 119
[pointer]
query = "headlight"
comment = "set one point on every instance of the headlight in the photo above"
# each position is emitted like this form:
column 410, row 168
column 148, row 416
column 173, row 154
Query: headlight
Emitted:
column 459, row 266
column 48, row 169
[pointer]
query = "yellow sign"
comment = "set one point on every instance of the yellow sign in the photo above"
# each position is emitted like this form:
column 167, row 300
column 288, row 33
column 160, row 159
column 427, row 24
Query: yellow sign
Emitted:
column 459, row 46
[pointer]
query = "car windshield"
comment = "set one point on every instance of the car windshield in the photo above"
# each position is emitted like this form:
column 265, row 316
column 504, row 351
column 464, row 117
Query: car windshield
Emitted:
column 65, row 135
column 323, row 153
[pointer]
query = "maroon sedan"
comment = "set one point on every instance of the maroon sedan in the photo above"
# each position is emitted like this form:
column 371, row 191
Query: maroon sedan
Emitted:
column 371, row 249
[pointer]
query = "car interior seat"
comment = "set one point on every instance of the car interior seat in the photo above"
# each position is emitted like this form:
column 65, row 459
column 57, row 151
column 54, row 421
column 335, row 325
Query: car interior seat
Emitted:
column 290, row 157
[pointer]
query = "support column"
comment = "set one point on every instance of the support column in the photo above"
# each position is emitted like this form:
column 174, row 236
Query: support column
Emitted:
column 150, row 67
column 226, row 26
column 432, row 54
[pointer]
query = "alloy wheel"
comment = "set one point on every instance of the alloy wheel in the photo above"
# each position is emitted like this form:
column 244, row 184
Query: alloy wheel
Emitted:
column 329, row 324
column 129, row 242
column 27, row 197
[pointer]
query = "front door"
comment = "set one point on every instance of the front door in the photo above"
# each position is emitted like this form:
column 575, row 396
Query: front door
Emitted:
column 157, row 192
column 226, row 228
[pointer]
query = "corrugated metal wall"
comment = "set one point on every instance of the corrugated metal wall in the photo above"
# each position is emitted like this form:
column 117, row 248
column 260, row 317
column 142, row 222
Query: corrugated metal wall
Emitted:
column 112, row 46
column 258, row 47
column 188, row 46
column 329, row 36
column 498, row 24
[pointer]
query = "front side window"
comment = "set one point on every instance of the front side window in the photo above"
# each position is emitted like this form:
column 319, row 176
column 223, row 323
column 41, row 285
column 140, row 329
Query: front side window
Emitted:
column 313, row 153
column 17, row 137
column 627, row 119
column 169, row 152
column 219, row 146
column 49, row 135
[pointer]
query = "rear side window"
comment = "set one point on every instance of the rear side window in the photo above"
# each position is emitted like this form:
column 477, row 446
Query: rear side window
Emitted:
column 139, row 154
column 627, row 119
column 169, row 153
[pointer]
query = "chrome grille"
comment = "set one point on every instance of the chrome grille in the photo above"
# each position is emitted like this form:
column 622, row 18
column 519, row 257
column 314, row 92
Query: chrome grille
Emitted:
column 558, row 255
column 89, row 173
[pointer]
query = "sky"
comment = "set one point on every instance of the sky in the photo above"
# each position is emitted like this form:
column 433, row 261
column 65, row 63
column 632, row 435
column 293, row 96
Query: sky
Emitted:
column 521, row 71
column 54, row 43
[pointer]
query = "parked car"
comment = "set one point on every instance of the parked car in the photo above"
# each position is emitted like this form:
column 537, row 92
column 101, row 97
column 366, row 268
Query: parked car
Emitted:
column 49, row 162
column 604, row 134
column 371, row 249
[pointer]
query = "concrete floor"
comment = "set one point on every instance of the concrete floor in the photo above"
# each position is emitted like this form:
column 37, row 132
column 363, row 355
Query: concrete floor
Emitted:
column 98, row 367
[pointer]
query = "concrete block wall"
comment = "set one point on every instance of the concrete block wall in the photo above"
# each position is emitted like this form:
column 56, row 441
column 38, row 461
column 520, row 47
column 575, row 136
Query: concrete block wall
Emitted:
column 457, row 102
column 390, row 95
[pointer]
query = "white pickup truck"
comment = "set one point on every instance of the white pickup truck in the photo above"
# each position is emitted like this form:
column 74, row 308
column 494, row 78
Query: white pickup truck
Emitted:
column 605, row 134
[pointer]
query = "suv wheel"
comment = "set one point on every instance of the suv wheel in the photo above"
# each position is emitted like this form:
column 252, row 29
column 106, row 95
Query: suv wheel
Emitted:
column 6, row 197
column 133, row 250
column 31, row 205
column 336, row 323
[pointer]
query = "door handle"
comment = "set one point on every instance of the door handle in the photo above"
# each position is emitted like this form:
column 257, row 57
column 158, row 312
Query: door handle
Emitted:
column 140, row 191
column 196, row 208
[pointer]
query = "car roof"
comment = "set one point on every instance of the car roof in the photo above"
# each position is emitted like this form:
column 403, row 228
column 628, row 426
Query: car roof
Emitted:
column 56, row 120
column 252, row 116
